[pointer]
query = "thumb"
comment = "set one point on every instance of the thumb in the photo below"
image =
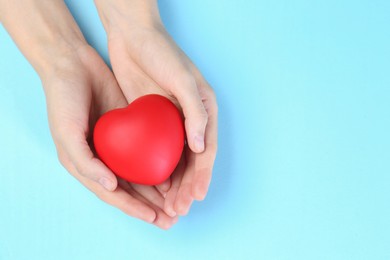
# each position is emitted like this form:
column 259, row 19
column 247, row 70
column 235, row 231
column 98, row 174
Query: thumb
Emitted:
column 86, row 164
column 195, row 114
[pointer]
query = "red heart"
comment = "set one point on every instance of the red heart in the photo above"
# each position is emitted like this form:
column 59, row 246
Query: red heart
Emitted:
column 143, row 142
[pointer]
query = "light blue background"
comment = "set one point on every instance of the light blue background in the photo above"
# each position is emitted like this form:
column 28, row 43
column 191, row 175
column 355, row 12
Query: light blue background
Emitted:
column 303, row 169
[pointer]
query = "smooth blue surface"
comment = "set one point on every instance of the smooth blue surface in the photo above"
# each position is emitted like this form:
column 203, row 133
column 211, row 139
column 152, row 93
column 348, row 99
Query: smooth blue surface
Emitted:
column 303, row 169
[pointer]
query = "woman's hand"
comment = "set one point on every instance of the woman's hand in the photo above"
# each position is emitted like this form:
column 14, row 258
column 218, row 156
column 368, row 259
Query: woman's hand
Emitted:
column 79, row 87
column 146, row 60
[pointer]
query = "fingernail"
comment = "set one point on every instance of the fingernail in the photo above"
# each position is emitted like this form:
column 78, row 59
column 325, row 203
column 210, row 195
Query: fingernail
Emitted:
column 184, row 207
column 171, row 212
column 175, row 220
column 199, row 143
column 106, row 183
column 200, row 192
column 151, row 219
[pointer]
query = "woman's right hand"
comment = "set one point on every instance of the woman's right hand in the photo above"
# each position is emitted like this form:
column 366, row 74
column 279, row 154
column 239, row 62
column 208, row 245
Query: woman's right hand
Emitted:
column 79, row 90
column 79, row 87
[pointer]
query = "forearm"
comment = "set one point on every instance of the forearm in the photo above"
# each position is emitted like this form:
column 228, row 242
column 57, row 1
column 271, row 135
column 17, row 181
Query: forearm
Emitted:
column 44, row 31
column 117, row 14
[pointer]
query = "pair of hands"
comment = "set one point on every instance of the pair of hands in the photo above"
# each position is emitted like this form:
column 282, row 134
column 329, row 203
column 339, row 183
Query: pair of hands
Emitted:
column 145, row 60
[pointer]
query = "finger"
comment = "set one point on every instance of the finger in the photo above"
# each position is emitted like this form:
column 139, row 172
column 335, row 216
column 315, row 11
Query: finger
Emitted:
column 119, row 198
column 187, row 93
column 164, row 187
column 176, row 177
column 85, row 163
column 129, row 205
column 162, row 220
column 204, row 162
column 150, row 193
column 184, row 198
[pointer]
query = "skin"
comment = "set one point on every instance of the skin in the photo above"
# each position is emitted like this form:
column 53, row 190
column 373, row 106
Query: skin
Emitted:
column 79, row 87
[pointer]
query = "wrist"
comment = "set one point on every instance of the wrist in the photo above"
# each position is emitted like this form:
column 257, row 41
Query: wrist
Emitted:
column 122, row 15
column 45, row 32
column 58, row 59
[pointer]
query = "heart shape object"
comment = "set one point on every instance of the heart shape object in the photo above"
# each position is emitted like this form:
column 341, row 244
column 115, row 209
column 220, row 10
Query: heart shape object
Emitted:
column 143, row 142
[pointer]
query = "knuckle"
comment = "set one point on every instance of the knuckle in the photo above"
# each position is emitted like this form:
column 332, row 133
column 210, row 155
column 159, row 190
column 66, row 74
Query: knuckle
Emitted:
column 57, row 136
column 59, row 128
column 212, row 95
column 63, row 159
column 203, row 115
column 215, row 109
column 200, row 116
column 200, row 119
column 103, row 197
column 212, row 103
column 186, row 79
column 212, row 148
column 82, row 170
